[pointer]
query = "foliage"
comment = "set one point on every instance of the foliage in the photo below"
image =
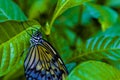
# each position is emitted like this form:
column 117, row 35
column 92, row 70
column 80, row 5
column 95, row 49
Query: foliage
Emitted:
column 86, row 33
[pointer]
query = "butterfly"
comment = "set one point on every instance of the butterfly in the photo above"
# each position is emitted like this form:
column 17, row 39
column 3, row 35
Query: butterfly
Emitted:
column 42, row 61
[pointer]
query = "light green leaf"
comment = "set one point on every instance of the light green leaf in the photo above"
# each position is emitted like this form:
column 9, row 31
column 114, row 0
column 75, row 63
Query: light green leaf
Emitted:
column 100, row 48
column 107, row 17
column 63, row 5
column 10, row 11
column 94, row 70
column 13, row 42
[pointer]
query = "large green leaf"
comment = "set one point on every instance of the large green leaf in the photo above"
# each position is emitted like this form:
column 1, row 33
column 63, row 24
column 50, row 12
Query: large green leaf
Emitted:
column 106, row 16
column 13, row 42
column 63, row 5
column 100, row 48
column 10, row 11
column 94, row 70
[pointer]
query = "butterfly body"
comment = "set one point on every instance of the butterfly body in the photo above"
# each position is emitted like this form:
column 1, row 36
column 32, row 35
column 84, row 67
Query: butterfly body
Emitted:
column 43, row 62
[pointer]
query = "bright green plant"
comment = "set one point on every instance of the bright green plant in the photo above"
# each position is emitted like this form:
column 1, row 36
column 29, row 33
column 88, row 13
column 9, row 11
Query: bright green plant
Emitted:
column 86, row 33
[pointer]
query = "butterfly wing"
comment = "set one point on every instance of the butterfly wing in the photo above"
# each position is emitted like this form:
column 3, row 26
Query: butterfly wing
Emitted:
column 44, row 63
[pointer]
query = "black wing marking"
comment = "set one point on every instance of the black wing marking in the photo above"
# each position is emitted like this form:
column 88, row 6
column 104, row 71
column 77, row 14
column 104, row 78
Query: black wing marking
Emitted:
column 44, row 63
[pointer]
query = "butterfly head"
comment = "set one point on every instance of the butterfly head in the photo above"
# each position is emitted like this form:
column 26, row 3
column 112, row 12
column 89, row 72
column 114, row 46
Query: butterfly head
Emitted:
column 36, row 38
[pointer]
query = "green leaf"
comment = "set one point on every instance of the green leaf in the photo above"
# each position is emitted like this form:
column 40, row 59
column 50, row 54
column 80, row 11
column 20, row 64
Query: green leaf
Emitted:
column 113, row 3
column 14, row 73
column 70, row 17
column 13, row 42
column 63, row 5
column 38, row 7
column 100, row 48
column 58, row 40
column 115, row 64
column 10, row 11
column 113, row 31
column 94, row 70
column 70, row 66
column 106, row 16
column 86, row 17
